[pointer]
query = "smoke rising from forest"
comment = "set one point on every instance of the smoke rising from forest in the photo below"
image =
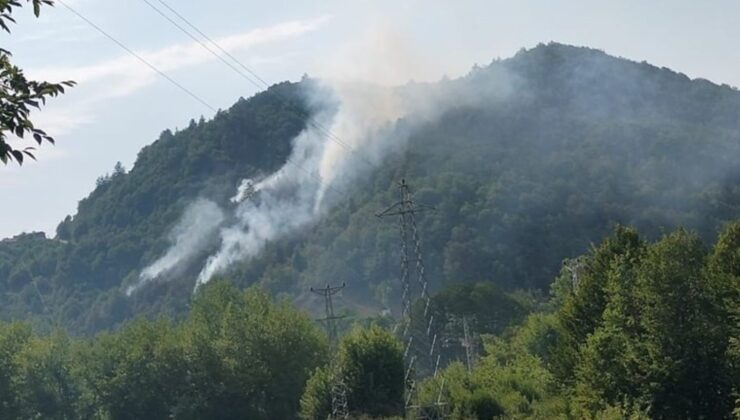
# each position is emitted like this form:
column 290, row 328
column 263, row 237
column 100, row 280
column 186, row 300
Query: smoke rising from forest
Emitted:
column 327, row 156
column 191, row 236
column 339, row 144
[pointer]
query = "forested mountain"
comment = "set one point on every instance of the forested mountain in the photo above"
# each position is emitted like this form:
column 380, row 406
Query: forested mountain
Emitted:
column 584, row 141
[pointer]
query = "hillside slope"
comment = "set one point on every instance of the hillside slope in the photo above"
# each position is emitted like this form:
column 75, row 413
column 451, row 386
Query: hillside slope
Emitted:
column 585, row 141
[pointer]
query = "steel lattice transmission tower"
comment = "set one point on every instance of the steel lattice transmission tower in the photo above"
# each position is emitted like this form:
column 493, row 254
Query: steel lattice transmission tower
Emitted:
column 339, row 407
column 413, row 278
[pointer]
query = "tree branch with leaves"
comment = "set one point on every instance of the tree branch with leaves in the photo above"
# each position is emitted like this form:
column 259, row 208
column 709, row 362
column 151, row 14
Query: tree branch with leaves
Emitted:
column 19, row 95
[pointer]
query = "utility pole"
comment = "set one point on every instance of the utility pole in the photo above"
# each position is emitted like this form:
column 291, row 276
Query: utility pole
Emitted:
column 575, row 266
column 339, row 407
column 468, row 344
column 406, row 210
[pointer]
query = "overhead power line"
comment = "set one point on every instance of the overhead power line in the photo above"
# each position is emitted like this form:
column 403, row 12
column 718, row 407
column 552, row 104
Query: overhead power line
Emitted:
column 248, row 74
column 177, row 84
column 207, row 38
column 138, row 57
column 194, row 38
column 260, row 83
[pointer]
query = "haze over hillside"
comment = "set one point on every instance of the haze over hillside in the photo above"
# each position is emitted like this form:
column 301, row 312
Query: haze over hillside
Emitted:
column 527, row 161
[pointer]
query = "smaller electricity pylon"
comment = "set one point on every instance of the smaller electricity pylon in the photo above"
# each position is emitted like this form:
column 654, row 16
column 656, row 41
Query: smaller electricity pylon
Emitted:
column 339, row 407
column 575, row 266
column 468, row 344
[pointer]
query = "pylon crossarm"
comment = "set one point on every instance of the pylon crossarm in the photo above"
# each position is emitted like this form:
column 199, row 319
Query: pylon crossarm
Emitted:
column 392, row 211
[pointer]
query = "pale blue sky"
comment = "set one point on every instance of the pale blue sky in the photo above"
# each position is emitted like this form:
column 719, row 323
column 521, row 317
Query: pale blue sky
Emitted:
column 121, row 106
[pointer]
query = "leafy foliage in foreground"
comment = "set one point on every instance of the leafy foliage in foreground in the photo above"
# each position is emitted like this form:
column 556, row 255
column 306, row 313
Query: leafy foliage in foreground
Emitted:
column 238, row 355
column 659, row 342
column 18, row 95
column 649, row 331
column 370, row 363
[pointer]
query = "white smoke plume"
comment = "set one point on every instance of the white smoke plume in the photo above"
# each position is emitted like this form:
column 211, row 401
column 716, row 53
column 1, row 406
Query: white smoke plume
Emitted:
column 189, row 238
column 330, row 154
column 326, row 157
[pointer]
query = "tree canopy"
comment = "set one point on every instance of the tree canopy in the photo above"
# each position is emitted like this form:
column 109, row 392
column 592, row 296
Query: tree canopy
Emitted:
column 660, row 343
column 657, row 340
column 238, row 355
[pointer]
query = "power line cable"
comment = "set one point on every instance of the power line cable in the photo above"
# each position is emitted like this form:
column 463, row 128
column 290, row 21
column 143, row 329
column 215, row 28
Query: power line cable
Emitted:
column 265, row 84
column 204, row 45
column 284, row 100
column 139, row 57
column 207, row 38
column 180, row 86
column 260, row 85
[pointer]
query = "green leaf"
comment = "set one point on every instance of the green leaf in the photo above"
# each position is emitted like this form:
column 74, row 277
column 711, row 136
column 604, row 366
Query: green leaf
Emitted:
column 18, row 156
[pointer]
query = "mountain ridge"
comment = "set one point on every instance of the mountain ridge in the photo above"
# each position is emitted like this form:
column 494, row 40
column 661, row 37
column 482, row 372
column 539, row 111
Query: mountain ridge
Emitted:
column 587, row 140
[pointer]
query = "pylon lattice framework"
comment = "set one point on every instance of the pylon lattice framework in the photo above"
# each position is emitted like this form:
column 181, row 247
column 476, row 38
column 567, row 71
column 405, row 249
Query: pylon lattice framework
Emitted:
column 406, row 209
column 339, row 406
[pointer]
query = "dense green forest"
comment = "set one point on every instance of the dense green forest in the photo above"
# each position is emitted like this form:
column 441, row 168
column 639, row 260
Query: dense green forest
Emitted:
column 648, row 330
column 585, row 141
